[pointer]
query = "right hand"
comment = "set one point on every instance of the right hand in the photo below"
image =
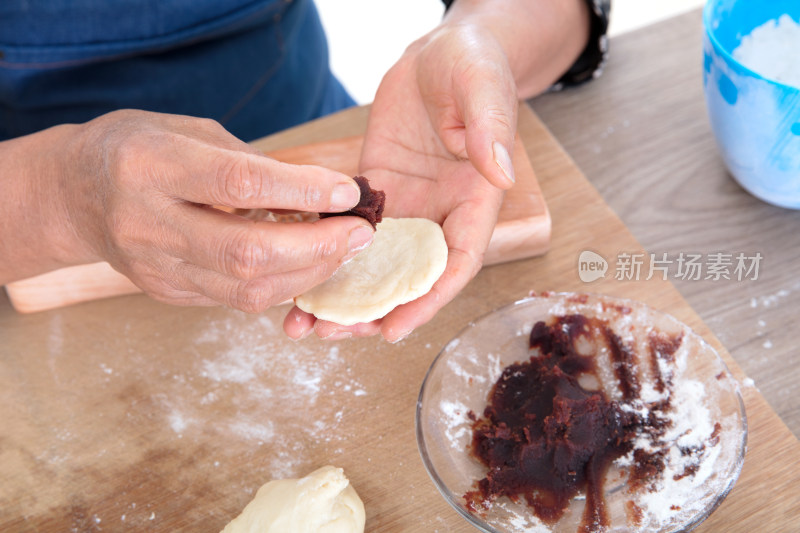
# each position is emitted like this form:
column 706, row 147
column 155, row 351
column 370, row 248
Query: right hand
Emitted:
column 139, row 195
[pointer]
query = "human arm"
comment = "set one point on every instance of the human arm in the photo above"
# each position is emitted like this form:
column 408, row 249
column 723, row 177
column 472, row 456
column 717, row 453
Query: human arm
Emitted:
column 541, row 39
column 136, row 189
column 442, row 127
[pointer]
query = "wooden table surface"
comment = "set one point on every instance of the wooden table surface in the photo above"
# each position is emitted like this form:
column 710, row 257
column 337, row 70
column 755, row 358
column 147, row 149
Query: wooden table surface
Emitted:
column 641, row 135
column 127, row 414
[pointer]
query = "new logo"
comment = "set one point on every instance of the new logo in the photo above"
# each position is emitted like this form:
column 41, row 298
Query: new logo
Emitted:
column 591, row 266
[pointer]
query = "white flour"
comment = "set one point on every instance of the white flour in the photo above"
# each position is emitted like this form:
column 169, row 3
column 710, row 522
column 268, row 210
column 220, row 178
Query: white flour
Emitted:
column 457, row 426
column 253, row 384
column 771, row 50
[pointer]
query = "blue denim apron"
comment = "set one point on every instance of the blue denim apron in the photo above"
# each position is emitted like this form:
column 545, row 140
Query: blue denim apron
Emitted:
column 256, row 66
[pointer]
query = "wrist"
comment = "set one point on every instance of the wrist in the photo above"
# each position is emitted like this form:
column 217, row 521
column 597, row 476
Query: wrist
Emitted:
column 36, row 227
column 80, row 203
column 541, row 39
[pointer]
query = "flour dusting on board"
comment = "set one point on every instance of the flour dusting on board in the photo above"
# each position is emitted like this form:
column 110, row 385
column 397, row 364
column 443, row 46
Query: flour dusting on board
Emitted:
column 251, row 381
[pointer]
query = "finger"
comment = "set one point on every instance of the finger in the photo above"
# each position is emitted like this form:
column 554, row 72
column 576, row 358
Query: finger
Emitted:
column 183, row 298
column 253, row 296
column 156, row 276
column 233, row 178
column 247, row 250
column 207, row 130
column 467, row 231
column 404, row 319
column 489, row 103
column 333, row 331
column 298, row 324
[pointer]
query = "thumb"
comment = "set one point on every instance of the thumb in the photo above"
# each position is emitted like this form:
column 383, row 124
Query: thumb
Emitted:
column 471, row 96
column 490, row 122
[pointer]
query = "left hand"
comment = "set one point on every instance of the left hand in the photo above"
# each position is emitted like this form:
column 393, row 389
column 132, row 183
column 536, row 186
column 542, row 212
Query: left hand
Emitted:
column 438, row 141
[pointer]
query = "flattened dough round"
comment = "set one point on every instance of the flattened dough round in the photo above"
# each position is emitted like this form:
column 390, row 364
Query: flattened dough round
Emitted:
column 322, row 502
column 406, row 257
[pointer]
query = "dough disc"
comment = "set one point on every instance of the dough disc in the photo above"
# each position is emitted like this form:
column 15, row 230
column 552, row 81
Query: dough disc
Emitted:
column 406, row 257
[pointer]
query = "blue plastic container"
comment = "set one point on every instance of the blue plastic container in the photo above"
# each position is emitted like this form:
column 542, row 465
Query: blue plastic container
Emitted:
column 756, row 121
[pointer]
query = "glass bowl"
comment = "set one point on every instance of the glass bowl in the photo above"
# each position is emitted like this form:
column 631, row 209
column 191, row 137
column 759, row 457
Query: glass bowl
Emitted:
column 704, row 395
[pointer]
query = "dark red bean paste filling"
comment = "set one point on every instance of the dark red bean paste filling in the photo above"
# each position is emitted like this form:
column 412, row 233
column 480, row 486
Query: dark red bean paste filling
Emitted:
column 370, row 205
column 545, row 438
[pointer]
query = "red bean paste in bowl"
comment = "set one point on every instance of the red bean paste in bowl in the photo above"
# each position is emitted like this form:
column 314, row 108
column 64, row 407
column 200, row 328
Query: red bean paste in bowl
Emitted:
column 549, row 432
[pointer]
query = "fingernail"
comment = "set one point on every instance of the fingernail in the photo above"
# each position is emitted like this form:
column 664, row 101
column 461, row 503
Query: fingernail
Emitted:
column 503, row 161
column 359, row 238
column 344, row 196
column 303, row 335
column 338, row 336
column 402, row 337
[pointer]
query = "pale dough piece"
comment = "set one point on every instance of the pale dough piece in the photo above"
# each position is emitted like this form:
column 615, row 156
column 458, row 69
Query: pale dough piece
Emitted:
column 406, row 257
column 322, row 502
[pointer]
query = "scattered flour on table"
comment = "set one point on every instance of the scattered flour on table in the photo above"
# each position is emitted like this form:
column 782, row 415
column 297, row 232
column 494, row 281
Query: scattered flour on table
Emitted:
column 771, row 50
column 771, row 299
column 260, row 432
column 260, row 388
column 177, row 422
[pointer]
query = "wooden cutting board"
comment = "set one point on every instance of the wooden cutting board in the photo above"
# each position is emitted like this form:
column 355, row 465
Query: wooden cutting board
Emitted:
column 126, row 414
column 523, row 230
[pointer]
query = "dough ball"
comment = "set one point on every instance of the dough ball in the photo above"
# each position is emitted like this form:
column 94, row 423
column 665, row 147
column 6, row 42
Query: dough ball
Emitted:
column 406, row 257
column 322, row 502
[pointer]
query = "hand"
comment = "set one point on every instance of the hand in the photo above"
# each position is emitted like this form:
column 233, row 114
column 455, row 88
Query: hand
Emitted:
column 438, row 142
column 139, row 195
